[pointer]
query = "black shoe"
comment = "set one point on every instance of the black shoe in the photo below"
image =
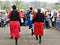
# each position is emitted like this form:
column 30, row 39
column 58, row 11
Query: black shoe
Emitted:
column 36, row 37
column 29, row 27
column 31, row 33
column 11, row 37
column 40, row 42
column 16, row 44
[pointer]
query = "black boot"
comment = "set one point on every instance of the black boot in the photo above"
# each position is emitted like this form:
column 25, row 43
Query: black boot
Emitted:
column 16, row 41
column 36, row 37
column 39, row 39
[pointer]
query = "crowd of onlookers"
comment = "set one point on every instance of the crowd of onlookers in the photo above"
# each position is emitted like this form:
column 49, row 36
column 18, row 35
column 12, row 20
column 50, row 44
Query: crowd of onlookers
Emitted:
column 3, row 19
column 52, row 18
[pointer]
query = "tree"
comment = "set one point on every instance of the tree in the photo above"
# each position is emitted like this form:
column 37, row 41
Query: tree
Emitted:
column 57, row 6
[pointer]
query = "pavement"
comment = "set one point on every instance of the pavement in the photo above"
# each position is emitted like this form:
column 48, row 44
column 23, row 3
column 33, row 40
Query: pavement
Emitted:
column 51, row 37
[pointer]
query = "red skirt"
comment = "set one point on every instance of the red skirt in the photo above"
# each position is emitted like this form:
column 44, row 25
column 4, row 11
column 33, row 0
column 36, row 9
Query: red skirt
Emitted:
column 14, row 28
column 38, row 28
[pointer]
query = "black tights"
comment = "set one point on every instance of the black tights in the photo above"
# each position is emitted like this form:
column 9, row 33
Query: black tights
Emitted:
column 16, row 40
column 36, row 37
column 39, row 38
column 31, row 31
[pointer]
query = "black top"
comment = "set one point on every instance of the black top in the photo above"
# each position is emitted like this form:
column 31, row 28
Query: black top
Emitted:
column 39, row 17
column 14, row 16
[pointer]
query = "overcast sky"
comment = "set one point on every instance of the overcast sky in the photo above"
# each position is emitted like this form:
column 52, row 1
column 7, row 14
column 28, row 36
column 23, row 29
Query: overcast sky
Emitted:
column 42, row 0
column 36, row 0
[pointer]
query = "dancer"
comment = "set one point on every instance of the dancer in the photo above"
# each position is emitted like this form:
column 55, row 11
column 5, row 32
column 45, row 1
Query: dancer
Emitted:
column 38, row 21
column 14, row 16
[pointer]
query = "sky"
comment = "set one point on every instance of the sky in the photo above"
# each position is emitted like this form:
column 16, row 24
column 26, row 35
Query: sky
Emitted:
column 42, row 0
column 53, row 1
